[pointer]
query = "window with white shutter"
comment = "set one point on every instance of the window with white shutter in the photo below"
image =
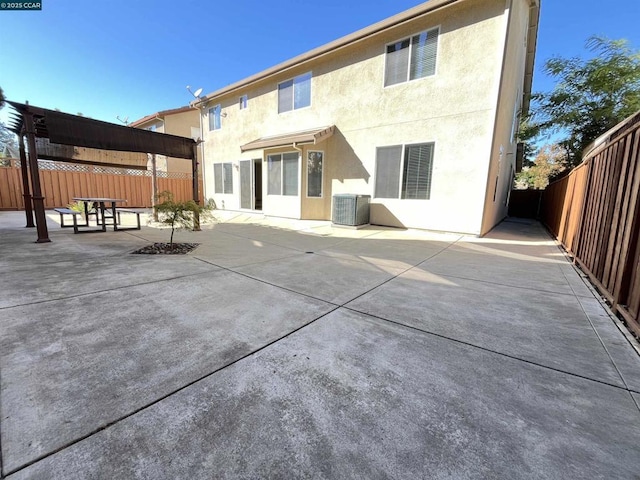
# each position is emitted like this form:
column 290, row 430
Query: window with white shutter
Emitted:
column 416, row 175
column 404, row 171
column 294, row 93
column 411, row 58
column 282, row 174
column 223, row 177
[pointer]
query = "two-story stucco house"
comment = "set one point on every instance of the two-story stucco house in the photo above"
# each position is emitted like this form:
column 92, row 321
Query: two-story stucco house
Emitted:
column 419, row 111
column 183, row 121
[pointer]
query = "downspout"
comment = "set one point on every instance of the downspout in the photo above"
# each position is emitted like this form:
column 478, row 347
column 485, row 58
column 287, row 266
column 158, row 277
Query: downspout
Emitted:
column 200, row 106
column 299, row 149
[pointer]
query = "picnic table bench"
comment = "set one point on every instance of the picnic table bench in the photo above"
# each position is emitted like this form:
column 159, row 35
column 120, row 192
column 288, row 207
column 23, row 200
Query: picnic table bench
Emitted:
column 126, row 210
column 74, row 214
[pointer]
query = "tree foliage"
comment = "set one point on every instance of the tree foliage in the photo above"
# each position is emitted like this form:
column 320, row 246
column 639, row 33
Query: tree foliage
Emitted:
column 7, row 137
column 590, row 96
column 549, row 162
column 181, row 215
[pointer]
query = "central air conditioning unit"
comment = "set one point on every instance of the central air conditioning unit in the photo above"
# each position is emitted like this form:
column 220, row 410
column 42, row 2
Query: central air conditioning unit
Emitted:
column 350, row 209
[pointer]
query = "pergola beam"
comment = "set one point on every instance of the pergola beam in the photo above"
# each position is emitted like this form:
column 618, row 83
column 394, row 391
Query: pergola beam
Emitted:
column 75, row 131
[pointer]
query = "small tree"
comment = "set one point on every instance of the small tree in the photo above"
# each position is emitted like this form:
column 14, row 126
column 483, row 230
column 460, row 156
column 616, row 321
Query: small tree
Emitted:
column 550, row 161
column 181, row 215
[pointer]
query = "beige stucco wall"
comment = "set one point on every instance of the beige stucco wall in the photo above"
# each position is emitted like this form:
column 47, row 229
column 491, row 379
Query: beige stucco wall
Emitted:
column 180, row 124
column 503, row 155
column 455, row 108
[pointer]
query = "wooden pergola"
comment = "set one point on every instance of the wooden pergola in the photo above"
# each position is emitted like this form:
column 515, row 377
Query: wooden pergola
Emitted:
column 54, row 135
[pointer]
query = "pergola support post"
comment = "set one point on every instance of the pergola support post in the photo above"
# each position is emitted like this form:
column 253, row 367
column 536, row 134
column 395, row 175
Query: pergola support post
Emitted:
column 26, row 189
column 154, row 186
column 38, row 199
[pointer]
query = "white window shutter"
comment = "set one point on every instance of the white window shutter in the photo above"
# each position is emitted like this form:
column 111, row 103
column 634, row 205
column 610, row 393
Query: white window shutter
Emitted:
column 285, row 96
column 388, row 160
column 290, row 174
column 217, row 177
column 424, row 48
column 397, row 63
column 274, row 184
column 418, row 165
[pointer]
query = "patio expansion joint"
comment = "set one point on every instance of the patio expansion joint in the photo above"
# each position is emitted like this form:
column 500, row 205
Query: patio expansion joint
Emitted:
column 604, row 346
column 500, row 284
column 164, row 397
column 488, row 350
column 280, row 287
column 269, row 260
column 405, row 270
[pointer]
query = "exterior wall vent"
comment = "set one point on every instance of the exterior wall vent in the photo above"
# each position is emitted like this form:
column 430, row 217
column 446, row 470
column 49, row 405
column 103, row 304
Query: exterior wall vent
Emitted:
column 350, row 209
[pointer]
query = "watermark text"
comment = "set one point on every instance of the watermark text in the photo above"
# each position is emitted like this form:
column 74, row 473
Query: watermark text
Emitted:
column 21, row 5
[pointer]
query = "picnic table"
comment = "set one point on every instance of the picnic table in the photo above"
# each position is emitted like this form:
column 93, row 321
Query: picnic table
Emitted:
column 104, row 210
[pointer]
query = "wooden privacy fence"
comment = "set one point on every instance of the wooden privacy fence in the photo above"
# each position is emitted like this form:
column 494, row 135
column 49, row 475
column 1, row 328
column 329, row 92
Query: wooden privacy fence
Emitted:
column 63, row 181
column 594, row 213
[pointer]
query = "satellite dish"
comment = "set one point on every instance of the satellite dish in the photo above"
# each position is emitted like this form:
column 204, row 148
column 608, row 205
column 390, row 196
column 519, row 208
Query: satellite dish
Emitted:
column 197, row 92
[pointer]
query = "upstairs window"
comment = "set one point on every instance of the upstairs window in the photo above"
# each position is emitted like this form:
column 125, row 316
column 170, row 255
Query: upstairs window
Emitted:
column 214, row 117
column 295, row 93
column 223, row 177
column 404, row 171
column 243, row 102
column 411, row 58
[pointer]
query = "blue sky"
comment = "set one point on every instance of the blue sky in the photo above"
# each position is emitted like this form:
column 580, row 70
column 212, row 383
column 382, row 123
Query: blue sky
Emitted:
column 130, row 58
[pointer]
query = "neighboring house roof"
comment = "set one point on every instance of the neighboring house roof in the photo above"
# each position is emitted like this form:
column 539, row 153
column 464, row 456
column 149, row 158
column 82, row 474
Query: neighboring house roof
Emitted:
column 160, row 115
column 376, row 28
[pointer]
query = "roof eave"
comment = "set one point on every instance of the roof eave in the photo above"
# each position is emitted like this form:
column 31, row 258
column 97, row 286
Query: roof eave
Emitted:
column 532, row 40
column 342, row 42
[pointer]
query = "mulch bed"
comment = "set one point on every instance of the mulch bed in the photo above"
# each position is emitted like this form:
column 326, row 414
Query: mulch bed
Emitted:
column 165, row 249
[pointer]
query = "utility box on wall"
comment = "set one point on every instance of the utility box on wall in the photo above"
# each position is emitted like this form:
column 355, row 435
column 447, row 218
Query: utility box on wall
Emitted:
column 350, row 209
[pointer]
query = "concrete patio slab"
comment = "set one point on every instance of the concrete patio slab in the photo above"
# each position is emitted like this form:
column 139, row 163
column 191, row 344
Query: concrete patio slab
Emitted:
column 72, row 366
column 541, row 327
column 378, row 249
column 354, row 397
column 475, row 261
column 334, row 280
column 210, row 365
column 301, row 241
column 577, row 280
column 20, row 247
column 624, row 358
column 26, row 282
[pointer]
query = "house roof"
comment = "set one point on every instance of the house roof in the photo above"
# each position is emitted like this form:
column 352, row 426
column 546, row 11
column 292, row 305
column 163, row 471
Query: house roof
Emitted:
column 159, row 115
column 365, row 33
column 313, row 136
